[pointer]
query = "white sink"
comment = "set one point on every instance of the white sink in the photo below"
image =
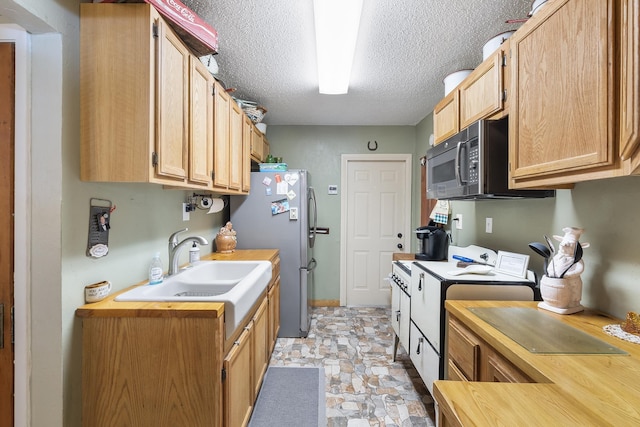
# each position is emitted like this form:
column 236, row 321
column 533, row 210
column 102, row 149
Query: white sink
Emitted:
column 238, row 284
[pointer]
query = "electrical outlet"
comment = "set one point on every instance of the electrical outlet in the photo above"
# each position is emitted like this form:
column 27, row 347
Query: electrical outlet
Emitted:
column 185, row 212
column 293, row 213
column 488, row 225
column 459, row 221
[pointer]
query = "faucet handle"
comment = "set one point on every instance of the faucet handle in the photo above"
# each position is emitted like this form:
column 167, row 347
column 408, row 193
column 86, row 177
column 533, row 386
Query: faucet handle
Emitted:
column 174, row 237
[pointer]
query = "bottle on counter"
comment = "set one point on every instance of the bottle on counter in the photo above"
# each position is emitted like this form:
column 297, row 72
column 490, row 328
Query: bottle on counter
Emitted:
column 155, row 270
column 194, row 253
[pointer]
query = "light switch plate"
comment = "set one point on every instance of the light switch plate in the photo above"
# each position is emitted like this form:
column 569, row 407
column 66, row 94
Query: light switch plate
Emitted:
column 293, row 213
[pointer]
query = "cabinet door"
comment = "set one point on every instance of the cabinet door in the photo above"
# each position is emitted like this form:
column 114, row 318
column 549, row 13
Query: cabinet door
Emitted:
column 172, row 94
column 446, row 117
column 481, row 93
column 238, row 386
column 235, row 146
column 200, row 123
column 424, row 358
column 222, row 106
column 246, row 153
column 274, row 313
column 260, row 351
column 630, row 81
column 425, row 305
column 256, row 144
column 561, row 116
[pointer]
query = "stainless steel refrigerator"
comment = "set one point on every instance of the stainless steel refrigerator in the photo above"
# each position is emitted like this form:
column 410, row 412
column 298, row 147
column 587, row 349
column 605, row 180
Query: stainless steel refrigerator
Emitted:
column 281, row 212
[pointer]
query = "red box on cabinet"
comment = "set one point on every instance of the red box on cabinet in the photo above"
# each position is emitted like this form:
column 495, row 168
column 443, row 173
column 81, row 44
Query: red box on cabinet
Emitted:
column 194, row 32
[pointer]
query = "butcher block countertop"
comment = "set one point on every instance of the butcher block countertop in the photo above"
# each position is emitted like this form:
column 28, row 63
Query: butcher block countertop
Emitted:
column 571, row 389
column 110, row 308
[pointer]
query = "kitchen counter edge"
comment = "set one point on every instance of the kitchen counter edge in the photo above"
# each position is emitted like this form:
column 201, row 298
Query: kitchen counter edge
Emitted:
column 571, row 389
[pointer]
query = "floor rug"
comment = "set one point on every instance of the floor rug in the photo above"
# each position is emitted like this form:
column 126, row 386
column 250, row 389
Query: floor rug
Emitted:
column 291, row 396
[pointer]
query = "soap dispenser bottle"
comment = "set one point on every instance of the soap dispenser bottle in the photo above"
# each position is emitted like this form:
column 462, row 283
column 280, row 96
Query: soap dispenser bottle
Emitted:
column 155, row 270
column 194, row 253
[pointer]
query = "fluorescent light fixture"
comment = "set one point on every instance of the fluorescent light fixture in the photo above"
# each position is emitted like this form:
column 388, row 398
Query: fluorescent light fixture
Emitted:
column 337, row 23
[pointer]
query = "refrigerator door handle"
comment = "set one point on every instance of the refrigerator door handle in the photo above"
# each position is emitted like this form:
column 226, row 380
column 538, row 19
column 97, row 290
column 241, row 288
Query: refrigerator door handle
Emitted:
column 313, row 216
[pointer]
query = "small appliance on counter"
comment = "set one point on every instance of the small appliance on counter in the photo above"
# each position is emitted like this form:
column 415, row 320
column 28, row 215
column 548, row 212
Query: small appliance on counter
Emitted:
column 434, row 242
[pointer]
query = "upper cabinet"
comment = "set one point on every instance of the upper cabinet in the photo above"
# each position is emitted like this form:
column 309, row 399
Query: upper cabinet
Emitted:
column 134, row 96
column 481, row 95
column 630, row 85
column 200, row 123
column 222, row 107
column 150, row 110
column 562, row 117
column 446, row 117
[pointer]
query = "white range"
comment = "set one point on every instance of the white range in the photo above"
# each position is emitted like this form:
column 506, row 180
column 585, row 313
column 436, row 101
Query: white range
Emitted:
column 418, row 314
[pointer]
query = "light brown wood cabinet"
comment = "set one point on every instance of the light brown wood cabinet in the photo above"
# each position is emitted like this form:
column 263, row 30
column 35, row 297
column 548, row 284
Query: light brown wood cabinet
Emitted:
column 137, row 99
column 481, row 95
column 221, row 141
column 562, row 118
column 257, row 145
column 472, row 359
column 166, row 364
column 630, row 85
column 244, row 368
column 247, row 133
column 236, row 123
column 446, row 117
column 150, row 110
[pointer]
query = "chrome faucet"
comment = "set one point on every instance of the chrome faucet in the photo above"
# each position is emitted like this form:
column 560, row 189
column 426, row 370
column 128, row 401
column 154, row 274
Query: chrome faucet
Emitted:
column 175, row 247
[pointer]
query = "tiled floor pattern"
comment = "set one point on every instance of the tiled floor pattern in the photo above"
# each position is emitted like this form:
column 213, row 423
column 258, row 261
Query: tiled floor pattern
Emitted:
column 364, row 387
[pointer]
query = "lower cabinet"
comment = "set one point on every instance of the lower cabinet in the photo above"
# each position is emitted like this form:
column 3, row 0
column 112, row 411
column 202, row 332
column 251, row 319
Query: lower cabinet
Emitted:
column 274, row 313
column 472, row 359
column 238, row 389
column 244, row 369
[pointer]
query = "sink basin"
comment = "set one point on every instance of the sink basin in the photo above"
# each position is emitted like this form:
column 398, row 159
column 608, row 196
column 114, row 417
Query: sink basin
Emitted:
column 238, row 284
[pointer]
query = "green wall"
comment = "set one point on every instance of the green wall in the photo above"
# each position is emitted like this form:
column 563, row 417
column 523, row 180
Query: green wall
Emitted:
column 318, row 149
column 605, row 208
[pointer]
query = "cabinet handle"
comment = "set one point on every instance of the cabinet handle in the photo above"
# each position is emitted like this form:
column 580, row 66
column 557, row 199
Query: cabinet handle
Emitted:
column 398, row 316
column 399, row 245
column 399, row 235
column 420, row 341
column 420, row 281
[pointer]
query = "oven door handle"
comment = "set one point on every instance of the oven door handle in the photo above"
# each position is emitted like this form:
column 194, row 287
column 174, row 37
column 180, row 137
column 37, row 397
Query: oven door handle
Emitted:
column 457, row 163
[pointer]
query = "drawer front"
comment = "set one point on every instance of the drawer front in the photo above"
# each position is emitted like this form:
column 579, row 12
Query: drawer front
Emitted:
column 424, row 358
column 464, row 350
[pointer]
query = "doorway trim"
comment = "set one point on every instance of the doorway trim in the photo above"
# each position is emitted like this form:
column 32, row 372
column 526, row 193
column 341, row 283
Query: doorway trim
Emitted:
column 344, row 179
column 22, row 202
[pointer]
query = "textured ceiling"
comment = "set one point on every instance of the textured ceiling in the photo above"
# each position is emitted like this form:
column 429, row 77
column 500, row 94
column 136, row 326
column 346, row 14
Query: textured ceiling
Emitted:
column 405, row 48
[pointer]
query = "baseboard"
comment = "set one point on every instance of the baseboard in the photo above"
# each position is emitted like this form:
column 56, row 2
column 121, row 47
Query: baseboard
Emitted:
column 325, row 303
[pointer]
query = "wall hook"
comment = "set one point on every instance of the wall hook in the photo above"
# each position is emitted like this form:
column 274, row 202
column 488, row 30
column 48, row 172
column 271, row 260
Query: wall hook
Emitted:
column 375, row 146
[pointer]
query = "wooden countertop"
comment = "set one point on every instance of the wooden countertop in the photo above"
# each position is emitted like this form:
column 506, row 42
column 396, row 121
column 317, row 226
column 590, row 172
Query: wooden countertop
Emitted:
column 572, row 389
column 110, row 308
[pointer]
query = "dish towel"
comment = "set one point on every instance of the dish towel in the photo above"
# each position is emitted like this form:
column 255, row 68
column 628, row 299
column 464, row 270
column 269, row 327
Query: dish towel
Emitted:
column 441, row 211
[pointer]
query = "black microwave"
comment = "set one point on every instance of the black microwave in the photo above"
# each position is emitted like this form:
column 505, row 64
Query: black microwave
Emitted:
column 474, row 164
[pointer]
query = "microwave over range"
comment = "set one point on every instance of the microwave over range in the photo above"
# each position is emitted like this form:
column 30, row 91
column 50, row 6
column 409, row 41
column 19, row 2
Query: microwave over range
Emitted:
column 474, row 164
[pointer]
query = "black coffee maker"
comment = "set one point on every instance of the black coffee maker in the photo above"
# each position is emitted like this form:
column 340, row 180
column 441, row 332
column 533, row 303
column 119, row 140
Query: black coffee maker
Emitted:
column 434, row 243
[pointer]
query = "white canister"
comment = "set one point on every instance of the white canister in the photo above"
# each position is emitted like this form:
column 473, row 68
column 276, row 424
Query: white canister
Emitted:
column 454, row 79
column 494, row 43
column 97, row 291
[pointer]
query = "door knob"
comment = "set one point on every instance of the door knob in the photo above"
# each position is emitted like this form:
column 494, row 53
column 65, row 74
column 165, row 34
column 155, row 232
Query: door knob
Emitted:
column 399, row 235
column 399, row 245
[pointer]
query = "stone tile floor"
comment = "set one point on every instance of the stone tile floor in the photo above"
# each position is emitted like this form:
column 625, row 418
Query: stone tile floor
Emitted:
column 364, row 387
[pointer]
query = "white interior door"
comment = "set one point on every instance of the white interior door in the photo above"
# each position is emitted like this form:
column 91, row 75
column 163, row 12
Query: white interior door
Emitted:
column 376, row 216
